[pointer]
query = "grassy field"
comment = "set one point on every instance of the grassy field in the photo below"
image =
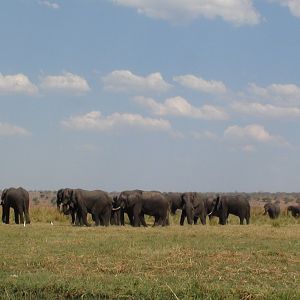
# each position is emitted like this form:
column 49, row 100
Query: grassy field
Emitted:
column 259, row 261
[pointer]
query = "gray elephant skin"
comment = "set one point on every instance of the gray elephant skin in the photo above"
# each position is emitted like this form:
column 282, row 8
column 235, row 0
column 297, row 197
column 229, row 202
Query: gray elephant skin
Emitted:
column 137, row 203
column 18, row 199
column 238, row 205
column 295, row 210
column 98, row 203
column 272, row 209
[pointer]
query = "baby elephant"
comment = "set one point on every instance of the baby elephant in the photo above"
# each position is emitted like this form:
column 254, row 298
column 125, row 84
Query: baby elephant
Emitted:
column 272, row 209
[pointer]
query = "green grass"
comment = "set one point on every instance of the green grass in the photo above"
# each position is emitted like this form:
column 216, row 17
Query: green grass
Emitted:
column 41, row 261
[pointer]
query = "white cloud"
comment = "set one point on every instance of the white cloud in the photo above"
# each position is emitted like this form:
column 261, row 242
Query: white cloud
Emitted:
column 293, row 6
column 126, row 81
column 67, row 82
column 206, row 134
column 10, row 130
column 200, row 84
column 49, row 4
column 253, row 132
column 178, row 106
column 16, row 84
column 285, row 93
column 94, row 120
column 266, row 110
column 238, row 12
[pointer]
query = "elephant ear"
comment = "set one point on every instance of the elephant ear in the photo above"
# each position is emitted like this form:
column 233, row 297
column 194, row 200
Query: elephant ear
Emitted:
column 3, row 195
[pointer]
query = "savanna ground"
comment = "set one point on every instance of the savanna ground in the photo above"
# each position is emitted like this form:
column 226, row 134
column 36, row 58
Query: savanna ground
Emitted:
column 44, row 261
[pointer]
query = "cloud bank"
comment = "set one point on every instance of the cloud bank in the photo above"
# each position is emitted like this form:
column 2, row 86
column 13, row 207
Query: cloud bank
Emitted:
column 12, row 130
column 16, row 84
column 201, row 85
column 95, row 121
column 125, row 81
column 178, row 106
column 238, row 12
column 68, row 82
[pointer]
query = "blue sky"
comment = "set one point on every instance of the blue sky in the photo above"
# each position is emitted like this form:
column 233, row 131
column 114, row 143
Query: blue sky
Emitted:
column 169, row 95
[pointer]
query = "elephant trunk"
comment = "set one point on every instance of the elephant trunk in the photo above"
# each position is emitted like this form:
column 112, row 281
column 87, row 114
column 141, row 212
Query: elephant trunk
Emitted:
column 189, row 213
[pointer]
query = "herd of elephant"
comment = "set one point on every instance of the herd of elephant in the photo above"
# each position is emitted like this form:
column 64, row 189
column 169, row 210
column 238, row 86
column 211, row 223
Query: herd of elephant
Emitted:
column 108, row 208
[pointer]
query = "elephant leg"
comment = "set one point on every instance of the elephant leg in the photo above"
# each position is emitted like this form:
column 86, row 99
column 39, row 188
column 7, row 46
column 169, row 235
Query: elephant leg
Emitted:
column 21, row 213
column 167, row 221
column 102, row 221
column 131, row 218
column 84, row 218
column 113, row 218
column 27, row 218
column 241, row 220
column 157, row 221
column 77, row 218
column 122, row 217
column 106, row 218
column 222, row 221
column 160, row 221
column 117, row 218
column 203, row 219
column 196, row 220
column 142, row 220
column 96, row 219
column 6, row 214
column 73, row 217
column 136, row 218
column 3, row 214
column 182, row 218
column 17, row 221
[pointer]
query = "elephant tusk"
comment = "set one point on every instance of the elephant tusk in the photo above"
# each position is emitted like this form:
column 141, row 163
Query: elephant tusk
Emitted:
column 117, row 208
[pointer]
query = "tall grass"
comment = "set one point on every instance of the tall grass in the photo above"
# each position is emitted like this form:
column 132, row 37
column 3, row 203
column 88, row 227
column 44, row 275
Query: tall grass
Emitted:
column 44, row 261
column 46, row 214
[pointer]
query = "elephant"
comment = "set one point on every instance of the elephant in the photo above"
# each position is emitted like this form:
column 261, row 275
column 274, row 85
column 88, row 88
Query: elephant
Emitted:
column 272, row 209
column 18, row 199
column 193, row 207
column 175, row 201
column 238, row 205
column 115, row 218
column 97, row 202
column 209, row 208
column 117, row 202
column 295, row 210
column 59, row 195
column 137, row 203
column 74, row 217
